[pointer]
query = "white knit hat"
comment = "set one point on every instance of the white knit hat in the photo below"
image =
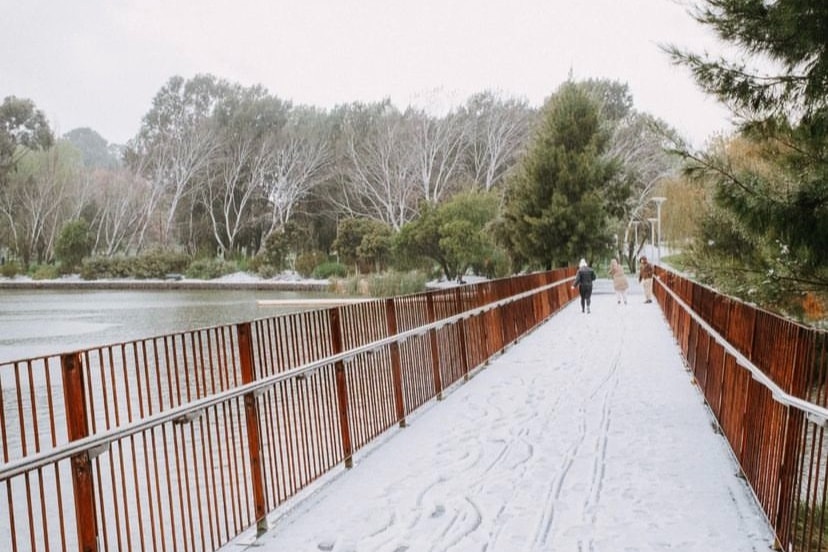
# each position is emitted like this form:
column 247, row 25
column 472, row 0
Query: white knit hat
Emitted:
column 582, row 263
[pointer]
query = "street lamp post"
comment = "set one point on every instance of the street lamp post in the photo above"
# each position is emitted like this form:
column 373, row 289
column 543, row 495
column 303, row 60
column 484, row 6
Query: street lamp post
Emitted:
column 634, row 224
column 653, row 222
column 658, row 202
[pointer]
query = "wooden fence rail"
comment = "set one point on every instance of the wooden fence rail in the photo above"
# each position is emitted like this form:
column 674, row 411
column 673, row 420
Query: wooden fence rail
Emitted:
column 764, row 379
column 183, row 441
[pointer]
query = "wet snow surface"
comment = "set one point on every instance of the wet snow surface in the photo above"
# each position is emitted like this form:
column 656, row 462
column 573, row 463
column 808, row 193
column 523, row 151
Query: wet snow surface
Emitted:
column 588, row 435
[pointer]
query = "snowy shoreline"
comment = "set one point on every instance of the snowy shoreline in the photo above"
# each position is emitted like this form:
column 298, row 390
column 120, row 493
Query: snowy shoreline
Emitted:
column 240, row 281
column 287, row 281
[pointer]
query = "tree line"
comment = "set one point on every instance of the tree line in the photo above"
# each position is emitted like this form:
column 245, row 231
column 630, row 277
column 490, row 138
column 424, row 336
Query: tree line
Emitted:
column 222, row 170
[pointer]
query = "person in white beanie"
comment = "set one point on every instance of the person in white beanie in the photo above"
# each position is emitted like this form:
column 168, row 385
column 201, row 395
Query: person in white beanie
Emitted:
column 583, row 281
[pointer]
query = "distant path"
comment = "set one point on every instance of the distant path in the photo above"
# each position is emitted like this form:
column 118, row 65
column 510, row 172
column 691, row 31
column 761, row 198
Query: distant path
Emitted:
column 588, row 435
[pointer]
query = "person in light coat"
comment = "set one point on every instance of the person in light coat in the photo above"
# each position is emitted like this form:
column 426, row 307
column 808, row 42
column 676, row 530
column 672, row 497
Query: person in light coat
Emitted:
column 645, row 276
column 619, row 281
column 583, row 281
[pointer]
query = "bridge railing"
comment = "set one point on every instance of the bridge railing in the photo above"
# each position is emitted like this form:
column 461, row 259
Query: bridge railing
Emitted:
column 184, row 441
column 765, row 378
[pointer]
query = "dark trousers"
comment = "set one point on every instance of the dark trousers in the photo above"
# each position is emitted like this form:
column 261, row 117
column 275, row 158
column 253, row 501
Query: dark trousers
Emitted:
column 586, row 295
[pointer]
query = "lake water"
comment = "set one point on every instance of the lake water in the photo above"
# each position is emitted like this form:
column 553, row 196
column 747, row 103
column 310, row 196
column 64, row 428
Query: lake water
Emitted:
column 35, row 323
column 44, row 322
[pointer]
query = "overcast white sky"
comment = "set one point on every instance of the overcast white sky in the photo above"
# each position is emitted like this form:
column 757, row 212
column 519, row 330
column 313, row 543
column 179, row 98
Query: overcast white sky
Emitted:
column 99, row 63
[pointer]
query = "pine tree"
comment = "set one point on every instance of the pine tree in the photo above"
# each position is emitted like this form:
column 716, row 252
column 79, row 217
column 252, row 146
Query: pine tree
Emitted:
column 785, row 70
column 556, row 207
column 778, row 88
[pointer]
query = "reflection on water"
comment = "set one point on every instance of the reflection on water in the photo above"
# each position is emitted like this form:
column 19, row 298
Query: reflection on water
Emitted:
column 44, row 322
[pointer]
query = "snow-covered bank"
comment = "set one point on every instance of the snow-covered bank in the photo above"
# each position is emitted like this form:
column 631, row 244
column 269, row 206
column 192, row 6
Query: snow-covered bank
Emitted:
column 238, row 280
column 287, row 281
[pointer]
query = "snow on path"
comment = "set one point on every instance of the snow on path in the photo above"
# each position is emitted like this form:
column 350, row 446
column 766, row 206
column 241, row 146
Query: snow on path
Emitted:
column 588, row 435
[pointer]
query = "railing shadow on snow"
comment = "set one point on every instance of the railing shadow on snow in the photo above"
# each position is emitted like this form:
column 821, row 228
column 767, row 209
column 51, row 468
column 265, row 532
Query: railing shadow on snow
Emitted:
column 185, row 441
column 764, row 379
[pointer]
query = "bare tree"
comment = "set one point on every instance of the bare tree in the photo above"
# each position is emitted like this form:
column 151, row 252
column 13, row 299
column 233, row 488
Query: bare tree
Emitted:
column 8, row 207
column 174, row 163
column 36, row 201
column 175, row 145
column 438, row 148
column 378, row 170
column 120, row 197
column 497, row 131
column 299, row 162
column 642, row 144
column 230, row 189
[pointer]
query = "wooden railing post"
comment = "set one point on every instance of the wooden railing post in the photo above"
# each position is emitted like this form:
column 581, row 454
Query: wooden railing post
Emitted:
column 547, row 297
column 497, row 316
column 786, row 470
column 251, row 414
column 750, row 354
column 461, row 327
column 77, row 427
column 337, row 346
column 435, row 351
column 396, row 364
column 486, row 321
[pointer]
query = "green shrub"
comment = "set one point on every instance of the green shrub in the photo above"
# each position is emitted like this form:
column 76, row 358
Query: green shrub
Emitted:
column 10, row 269
column 208, row 269
column 243, row 264
column 73, row 244
column 281, row 246
column 45, row 272
column 390, row 284
column 363, row 242
column 156, row 264
column 494, row 265
column 266, row 271
column 261, row 266
column 306, row 263
column 387, row 284
column 329, row 269
column 95, row 268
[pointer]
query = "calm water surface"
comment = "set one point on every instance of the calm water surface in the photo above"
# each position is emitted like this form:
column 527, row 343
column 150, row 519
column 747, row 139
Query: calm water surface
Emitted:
column 44, row 322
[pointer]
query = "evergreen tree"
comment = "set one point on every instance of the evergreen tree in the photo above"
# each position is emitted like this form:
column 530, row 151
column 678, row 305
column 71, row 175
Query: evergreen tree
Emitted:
column 73, row 244
column 96, row 151
column 557, row 203
column 363, row 242
column 778, row 88
column 455, row 235
column 788, row 35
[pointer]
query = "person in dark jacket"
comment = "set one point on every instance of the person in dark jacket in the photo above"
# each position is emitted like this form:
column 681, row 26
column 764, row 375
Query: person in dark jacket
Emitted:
column 645, row 276
column 583, row 281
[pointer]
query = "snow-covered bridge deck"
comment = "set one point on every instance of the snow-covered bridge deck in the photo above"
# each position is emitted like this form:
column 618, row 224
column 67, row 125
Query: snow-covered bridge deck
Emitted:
column 588, row 435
